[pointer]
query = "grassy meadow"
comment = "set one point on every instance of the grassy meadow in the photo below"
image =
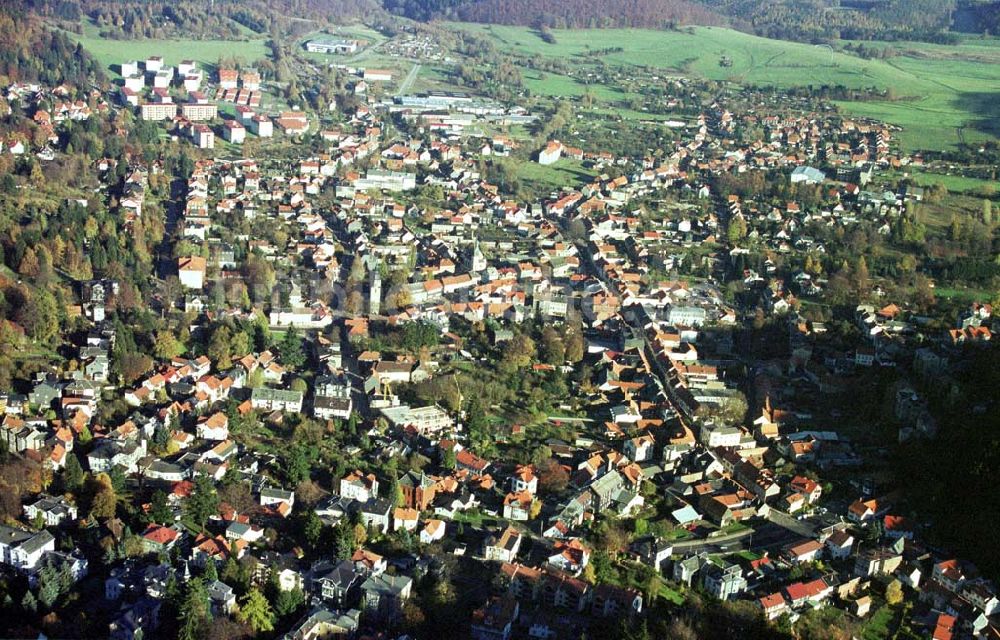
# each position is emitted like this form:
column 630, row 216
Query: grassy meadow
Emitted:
column 956, row 183
column 542, row 179
column 943, row 94
column 111, row 53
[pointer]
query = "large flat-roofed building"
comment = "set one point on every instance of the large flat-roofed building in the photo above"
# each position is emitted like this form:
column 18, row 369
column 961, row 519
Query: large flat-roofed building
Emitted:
column 388, row 180
column 333, row 45
column 158, row 110
column 199, row 110
column 426, row 420
column 377, row 75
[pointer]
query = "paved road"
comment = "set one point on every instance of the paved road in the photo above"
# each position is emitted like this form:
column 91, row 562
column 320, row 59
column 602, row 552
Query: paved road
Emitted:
column 707, row 543
column 804, row 528
column 404, row 86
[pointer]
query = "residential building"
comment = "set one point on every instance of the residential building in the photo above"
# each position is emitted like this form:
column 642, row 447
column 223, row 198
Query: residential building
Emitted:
column 191, row 271
column 505, row 548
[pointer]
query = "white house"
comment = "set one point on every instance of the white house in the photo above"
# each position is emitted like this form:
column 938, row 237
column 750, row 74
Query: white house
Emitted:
column 570, row 556
column 405, row 519
column 358, row 486
column 234, row 132
column 262, row 126
column 506, row 547
column 191, row 271
column 213, row 427
column 432, row 532
column 53, row 510
column 524, row 479
column 551, row 153
column 22, row 550
column 640, row 449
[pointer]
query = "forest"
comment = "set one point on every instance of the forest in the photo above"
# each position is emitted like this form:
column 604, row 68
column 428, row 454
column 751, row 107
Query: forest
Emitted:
column 32, row 53
column 564, row 13
column 801, row 20
column 223, row 19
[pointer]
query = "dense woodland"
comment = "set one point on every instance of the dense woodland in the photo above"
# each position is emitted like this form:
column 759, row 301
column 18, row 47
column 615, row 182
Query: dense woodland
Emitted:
column 588, row 13
column 31, row 52
column 808, row 20
column 801, row 20
column 226, row 19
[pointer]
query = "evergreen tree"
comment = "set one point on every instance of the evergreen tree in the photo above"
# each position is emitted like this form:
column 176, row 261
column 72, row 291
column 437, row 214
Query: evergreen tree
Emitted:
column 73, row 474
column 203, row 502
column 194, row 613
column 211, row 571
column 159, row 510
column 346, row 541
column 230, row 571
column 255, row 612
column 288, row 602
column 48, row 585
column 448, row 458
column 312, row 528
column 29, row 603
column 161, row 436
column 291, row 349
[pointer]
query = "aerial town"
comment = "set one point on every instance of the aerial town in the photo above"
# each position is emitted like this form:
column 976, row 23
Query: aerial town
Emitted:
column 389, row 359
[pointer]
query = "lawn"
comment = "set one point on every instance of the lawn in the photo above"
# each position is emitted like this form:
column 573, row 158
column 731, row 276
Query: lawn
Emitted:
column 672, row 595
column 954, row 184
column 111, row 53
column 878, row 624
column 943, row 95
column 553, row 84
column 964, row 295
column 563, row 173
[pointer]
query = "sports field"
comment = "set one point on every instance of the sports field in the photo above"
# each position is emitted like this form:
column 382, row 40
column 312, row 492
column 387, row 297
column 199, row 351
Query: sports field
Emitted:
column 942, row 94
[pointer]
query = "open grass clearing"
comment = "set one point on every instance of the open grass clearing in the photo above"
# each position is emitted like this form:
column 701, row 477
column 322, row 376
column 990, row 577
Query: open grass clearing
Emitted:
column 111, row 53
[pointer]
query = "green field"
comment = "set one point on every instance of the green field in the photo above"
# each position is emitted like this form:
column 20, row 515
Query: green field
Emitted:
column 111, row 53
column 943, row 95
column 878, row 624
column 544, row 178
column 955, row 183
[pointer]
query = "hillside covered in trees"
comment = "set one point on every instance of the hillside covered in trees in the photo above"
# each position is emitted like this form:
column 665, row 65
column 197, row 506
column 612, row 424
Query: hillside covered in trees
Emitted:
column 841, row 19
column 799, row 20
column 563, row 13
column 222, row 19
column 32, row 53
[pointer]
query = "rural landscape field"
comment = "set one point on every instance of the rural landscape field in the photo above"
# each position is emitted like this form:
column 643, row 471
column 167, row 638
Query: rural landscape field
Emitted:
column 499, row 319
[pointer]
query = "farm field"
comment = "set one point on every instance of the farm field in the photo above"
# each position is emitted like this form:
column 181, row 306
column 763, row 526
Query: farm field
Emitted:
column 206, row 53
column 944, row 95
